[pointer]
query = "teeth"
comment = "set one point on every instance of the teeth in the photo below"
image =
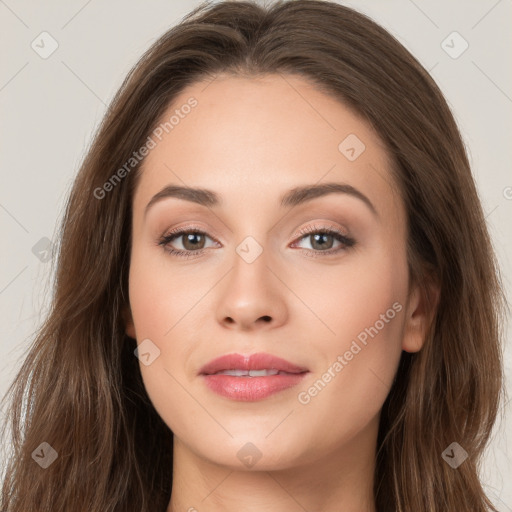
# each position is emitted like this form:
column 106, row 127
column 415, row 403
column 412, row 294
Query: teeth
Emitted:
column 248, row 373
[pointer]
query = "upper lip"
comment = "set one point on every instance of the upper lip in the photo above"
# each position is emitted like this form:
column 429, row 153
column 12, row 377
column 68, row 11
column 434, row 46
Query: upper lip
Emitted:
column 259, row 361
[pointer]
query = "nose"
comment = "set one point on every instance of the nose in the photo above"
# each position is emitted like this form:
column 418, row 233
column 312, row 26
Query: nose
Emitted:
column 252, row 297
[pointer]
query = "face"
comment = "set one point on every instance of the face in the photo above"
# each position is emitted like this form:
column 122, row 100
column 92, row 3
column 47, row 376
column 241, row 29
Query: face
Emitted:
column 261, row 266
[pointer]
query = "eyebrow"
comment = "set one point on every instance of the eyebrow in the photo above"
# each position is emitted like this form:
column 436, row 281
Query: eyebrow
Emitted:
column 293, row 197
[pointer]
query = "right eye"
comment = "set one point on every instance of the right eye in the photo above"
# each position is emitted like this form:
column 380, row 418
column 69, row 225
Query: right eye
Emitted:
column 193, row 241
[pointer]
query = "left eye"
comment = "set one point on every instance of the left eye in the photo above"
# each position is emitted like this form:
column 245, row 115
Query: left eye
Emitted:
column 322, row 240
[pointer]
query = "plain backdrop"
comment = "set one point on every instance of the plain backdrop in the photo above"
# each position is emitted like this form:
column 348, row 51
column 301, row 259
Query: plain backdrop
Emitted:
column 50, row 106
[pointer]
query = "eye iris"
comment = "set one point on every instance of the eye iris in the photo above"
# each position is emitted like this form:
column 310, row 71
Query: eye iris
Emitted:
column 190, row 237
column 316, row 238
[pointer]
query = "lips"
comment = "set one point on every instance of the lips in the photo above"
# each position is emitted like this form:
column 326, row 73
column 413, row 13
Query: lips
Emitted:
column 250, row 378
column 249, row 365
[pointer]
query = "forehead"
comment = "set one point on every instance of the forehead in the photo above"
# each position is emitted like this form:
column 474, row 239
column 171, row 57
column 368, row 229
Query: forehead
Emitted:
column 258, row 137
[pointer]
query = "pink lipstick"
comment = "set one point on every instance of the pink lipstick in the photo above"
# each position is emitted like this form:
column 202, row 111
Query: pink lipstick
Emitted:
column 250, row 378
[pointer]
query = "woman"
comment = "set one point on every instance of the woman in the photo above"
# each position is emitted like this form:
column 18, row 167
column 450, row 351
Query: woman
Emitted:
column 199, row 356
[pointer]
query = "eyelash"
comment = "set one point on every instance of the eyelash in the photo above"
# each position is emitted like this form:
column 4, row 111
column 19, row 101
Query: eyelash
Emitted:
column 347, row 242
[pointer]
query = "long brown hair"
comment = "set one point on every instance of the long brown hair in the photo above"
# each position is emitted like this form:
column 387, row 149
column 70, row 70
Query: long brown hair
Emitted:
column 80, row 389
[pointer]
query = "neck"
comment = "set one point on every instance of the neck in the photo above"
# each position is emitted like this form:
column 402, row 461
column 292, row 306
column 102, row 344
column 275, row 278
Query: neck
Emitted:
column 342, row 480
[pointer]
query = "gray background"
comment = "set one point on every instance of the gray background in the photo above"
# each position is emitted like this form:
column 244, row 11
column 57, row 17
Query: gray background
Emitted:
column 51, row 106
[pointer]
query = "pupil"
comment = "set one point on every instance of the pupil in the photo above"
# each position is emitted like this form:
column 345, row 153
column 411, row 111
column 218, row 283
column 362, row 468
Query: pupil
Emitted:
column 190, row 239
column 316, row 240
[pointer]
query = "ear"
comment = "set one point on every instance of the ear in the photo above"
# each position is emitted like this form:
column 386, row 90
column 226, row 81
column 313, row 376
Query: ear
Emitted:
column 128, row 322
column 420, row 311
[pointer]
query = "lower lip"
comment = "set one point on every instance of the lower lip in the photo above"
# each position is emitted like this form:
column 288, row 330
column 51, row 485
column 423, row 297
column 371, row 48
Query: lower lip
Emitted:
column 249, row 389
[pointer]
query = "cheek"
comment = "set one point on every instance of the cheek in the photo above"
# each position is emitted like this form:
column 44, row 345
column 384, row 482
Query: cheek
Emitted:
column 162, row 308
column 355, row 295
column 348, row 392
column 369, row 321
column 364, row 311
column 159, row 297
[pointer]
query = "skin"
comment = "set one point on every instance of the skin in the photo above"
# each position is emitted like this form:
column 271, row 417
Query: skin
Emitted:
column 250, row 141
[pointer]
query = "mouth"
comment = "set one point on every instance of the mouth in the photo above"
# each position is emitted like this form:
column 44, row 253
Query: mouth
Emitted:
column 250, row 378
column 252, row 373
column 249, row 365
